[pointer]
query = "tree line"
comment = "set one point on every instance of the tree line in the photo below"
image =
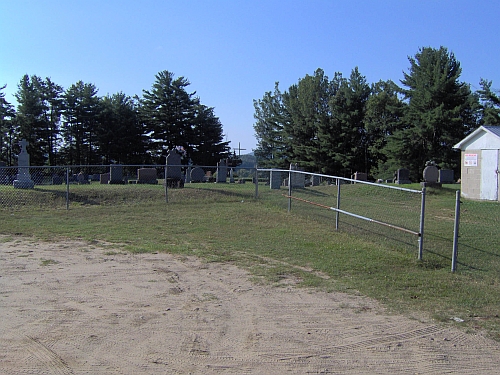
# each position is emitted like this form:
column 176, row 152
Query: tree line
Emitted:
column 77, row 127
column 344, row 125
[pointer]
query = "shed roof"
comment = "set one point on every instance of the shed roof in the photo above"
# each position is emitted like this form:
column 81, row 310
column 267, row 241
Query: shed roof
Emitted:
column 485, row 129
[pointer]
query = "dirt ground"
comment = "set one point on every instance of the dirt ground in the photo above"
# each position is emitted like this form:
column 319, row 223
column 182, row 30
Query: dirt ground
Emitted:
column 79, row 308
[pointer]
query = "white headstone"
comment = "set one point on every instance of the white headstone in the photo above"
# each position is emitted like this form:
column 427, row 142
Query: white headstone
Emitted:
column 23, row 180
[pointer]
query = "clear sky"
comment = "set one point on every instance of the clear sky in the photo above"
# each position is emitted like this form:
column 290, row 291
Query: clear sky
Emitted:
column 233, row 51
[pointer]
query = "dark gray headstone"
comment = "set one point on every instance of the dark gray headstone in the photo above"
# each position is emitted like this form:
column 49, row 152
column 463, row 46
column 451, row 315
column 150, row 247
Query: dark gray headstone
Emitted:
column 147, row 176
column 104, row 178
column 360, row 176
column 298, row 180
column 431, row 174
column 446, row 176
column 275, row 179
column 221, row 171
column 116, row 174
column 402, row 176
column 197, row 174
column 174, row 165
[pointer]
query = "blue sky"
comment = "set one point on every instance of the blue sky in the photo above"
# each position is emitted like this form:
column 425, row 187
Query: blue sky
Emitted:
column 232, row 52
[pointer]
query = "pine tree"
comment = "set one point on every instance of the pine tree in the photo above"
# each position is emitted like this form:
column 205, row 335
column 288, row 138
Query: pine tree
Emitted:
column 7, row 118
column 440, row 112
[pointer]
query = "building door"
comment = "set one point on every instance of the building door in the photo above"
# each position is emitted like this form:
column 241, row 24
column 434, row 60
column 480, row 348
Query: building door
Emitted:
column 489, row 175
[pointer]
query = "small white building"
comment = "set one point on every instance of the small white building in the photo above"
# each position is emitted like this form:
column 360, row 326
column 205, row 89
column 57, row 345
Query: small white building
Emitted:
column 480, row 163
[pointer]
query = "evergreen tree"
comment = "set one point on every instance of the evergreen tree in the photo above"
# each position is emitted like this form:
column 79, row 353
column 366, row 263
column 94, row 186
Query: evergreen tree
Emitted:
column 168, row 114
column 271, row 116
column 119, row 134
column 7, row 118
column 490, row 103
column 383, row 116
column 206, row 145
column 307, row 106
column 439, row 114
column 349, row 148
column 31, row 120
column 81, row 108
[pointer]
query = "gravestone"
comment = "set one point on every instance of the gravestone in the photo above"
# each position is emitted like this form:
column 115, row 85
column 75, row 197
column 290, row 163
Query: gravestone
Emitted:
column 402, row 176
column 221, row 171
column 104, row 178
column 446, row 176
column 174, row 165
column 298, row 180
column 146, row 176
column 360, row 176
column 116, row 174
column 197, row 174
column 431, row 176
column 174, row 172
column 23, row 180
column 82, row 178
column 231, row 176
column 315, row 180
column 275, row 179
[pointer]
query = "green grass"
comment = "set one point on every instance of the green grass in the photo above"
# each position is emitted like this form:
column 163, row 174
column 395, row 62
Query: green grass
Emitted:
column 224, row 223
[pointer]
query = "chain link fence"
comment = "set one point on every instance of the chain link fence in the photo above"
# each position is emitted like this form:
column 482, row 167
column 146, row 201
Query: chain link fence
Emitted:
column 378, row 212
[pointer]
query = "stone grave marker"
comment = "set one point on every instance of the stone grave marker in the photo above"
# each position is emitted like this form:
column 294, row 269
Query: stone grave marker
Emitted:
column 275, row 179
column 174, row 165
column 431, row 176
column 103, row 178
column 82, row 178
column 360, row 176
column 402, row 176
column 23, row 180
column 221, row 171
column 446, row 176
column 197, row 174
column 116, row 174
column 146, row 176
column 298, row 180
column 315, row 180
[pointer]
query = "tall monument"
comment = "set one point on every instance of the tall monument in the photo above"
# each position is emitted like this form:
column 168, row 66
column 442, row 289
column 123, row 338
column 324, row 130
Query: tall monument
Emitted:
column 23, row 180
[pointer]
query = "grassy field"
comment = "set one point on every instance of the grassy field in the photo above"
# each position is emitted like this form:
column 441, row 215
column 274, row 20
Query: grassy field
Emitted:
column 225, row 223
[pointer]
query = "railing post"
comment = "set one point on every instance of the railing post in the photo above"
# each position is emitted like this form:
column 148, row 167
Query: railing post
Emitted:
column 166, row 183
column 454, row 255
column 337, row 214
column 422, row 217
column 256, row 182
column 290, row 189
column 67, row 188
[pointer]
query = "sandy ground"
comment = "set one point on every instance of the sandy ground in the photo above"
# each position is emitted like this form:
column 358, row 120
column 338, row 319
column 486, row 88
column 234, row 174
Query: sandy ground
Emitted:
column 73, row 308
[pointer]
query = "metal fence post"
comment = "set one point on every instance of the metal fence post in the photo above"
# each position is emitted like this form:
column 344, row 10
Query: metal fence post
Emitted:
column 422, row 217
column 166, row 184
column 67, row 188
column 454, row 255
column 337, row 214
column 256, row 182
column 290, row 189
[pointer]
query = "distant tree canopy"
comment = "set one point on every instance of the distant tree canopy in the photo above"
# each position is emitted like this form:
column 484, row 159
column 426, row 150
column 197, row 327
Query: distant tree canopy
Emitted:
column 77, row 127
column 344, row 125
